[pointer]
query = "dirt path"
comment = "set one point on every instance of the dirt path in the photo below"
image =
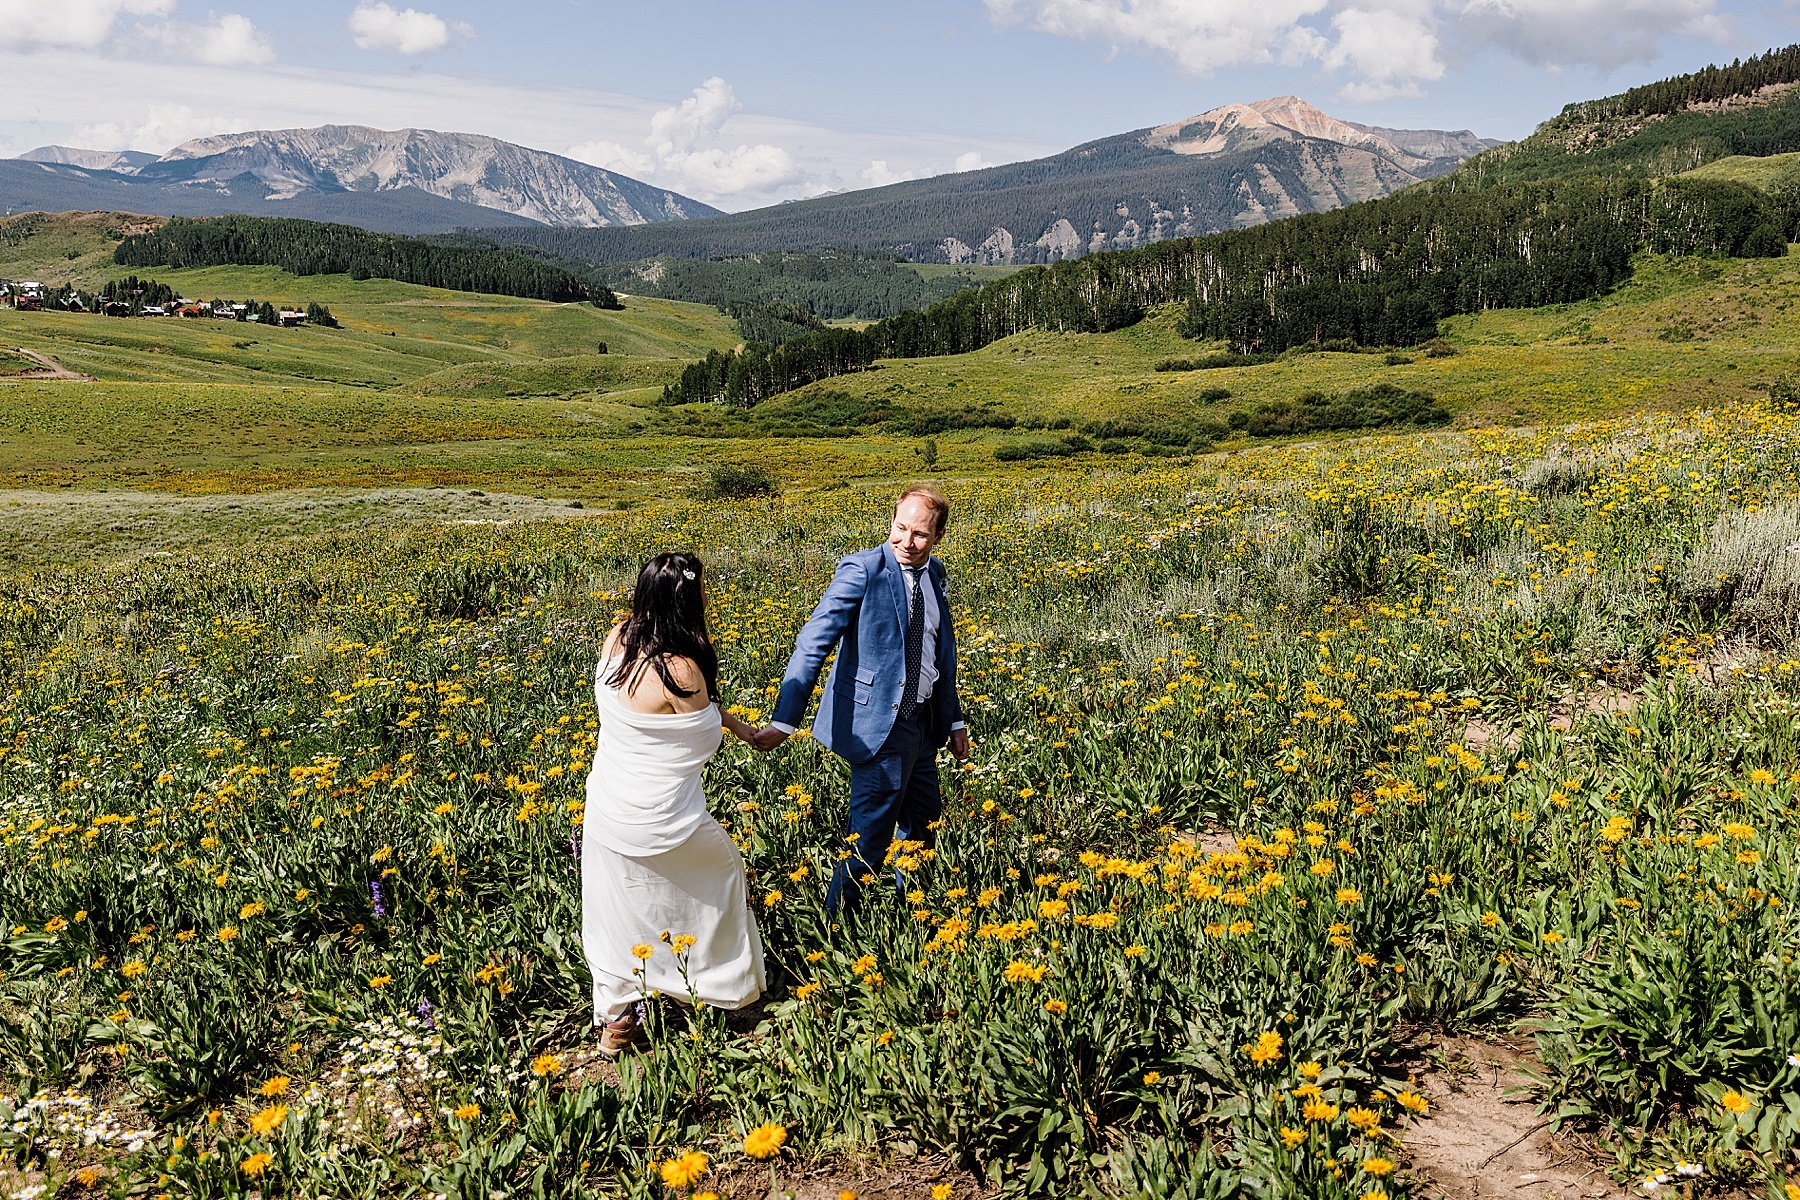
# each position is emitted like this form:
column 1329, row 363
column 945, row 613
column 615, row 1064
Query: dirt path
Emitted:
column 1479, row 1143
column 47, row 369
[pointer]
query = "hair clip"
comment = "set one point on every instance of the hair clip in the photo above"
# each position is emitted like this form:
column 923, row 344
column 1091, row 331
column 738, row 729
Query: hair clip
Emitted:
column 686, row 574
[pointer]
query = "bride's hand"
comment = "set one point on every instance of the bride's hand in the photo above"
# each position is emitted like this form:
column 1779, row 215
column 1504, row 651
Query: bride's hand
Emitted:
column 767, row 738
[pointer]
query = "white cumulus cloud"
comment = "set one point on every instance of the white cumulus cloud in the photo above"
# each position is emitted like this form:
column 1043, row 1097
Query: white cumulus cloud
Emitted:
column 31, row 24
column 226, row 40
column 162, row 128
column 380, row 26
column 1377, row 48
column 879, row 174
column 1385, row 51
column 1200, row 35
column 687, row 150
column 1603, row 34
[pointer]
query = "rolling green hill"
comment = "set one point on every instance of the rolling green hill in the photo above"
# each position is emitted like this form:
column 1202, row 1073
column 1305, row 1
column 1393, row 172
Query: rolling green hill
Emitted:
column 392, row 332
column 73, row 247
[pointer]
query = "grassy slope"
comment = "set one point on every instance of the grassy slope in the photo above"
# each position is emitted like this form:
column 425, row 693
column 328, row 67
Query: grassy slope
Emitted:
column 392, row 333
column 66, row 247
column 1679, row 329
column 1742, row 168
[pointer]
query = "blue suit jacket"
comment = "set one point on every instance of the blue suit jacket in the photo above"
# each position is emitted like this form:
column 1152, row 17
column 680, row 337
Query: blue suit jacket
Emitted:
column 863, row 616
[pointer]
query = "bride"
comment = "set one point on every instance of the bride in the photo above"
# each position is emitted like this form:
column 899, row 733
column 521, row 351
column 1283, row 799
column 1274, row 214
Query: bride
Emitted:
column 658, row 874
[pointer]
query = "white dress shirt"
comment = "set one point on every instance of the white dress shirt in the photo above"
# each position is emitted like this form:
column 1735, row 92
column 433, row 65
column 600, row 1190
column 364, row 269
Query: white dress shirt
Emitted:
column 934, row 621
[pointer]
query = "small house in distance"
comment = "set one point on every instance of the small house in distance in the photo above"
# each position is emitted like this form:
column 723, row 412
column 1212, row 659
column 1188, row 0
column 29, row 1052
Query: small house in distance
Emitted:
column 288, row 316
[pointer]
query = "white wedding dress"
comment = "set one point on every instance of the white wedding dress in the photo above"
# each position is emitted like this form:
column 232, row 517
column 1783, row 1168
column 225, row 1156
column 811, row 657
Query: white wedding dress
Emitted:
column 655, row 866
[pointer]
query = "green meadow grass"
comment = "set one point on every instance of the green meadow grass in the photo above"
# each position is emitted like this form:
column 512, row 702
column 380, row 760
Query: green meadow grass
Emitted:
column 392, row 333
column 1742, row 168
column 14, row 364
column 550, row 377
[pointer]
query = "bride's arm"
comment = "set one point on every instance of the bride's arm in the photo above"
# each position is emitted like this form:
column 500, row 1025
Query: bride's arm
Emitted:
column 738, row 729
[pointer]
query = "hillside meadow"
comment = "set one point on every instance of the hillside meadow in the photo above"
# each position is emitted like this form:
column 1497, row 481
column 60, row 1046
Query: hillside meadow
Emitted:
column 1287, row 764
column 1297, row 766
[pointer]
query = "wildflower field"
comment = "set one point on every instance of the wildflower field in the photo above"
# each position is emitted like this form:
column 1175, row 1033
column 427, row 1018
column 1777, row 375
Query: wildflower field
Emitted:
column 1284, row 762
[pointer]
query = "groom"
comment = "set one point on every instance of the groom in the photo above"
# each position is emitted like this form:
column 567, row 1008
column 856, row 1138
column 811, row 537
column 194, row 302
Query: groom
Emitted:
column 890, row 702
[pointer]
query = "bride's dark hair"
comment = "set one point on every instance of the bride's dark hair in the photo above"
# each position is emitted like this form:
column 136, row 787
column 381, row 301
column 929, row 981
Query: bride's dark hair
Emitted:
column 668, row 617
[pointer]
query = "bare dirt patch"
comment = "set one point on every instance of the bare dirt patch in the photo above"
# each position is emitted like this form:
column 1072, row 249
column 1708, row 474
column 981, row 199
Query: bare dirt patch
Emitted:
column 47, row 368
column 1211, row 840
column 902, row 1179
column 1565, row 714
column 1484, row 1138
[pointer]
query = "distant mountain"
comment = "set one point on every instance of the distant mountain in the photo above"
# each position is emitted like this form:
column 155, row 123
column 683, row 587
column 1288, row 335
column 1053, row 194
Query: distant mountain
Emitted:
column 1227, row 168
column 53, row 187
column 401, row 181
column 123, row 161
column 465, row 167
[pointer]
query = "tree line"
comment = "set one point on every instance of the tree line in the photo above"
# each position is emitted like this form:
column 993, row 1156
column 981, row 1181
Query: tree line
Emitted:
column 1710, row 85
column 1379, row 273
column 316, row 248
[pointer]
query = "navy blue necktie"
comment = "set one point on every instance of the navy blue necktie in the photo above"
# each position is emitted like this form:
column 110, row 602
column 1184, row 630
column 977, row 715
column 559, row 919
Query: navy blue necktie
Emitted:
column 915, row 648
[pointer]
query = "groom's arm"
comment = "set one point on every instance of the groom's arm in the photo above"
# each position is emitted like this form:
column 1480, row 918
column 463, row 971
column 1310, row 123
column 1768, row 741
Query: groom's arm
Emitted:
column 822, row 631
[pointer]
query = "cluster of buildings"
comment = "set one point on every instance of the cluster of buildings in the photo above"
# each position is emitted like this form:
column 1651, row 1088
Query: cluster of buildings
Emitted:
column 28, row 295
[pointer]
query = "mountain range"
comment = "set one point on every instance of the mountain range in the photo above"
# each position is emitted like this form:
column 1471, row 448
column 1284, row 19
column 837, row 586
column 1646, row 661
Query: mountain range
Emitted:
column 397, row 181
column 1229, row 167
column 1236, row 165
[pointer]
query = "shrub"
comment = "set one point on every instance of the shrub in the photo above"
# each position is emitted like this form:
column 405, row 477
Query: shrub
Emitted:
column 737, row 481
column 1042, row 448
column 1555, row 476
column 1748, row 568
column 1212, row 362
column 1362, row 408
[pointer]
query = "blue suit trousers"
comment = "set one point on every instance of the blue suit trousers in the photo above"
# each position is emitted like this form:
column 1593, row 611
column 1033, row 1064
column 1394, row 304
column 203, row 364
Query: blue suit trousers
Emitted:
column 895, row 793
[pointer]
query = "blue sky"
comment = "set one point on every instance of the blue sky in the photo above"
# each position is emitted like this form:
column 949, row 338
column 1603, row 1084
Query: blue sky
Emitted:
column 743, row 105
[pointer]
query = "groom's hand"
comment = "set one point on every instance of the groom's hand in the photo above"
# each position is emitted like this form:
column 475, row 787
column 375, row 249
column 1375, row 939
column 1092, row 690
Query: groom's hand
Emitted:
column 767, row 738
column 959, row 744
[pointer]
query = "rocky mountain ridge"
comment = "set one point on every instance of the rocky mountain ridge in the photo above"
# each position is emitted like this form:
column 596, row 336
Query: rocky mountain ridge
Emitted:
column 1229, row 167
column 404, row 180
column 125, row 162
column 466, row 167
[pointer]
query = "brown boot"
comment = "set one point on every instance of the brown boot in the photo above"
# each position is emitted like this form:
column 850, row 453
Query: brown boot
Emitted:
column 625, row 1034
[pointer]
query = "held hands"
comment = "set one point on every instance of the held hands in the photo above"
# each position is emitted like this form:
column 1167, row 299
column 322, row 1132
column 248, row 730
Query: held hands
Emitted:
column 766, row 738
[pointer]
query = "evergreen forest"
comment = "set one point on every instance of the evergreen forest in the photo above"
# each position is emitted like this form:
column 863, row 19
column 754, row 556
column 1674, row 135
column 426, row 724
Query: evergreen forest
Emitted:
column 314, row 248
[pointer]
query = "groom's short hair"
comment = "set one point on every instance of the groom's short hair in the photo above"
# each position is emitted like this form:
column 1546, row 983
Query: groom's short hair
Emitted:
column 934, row 499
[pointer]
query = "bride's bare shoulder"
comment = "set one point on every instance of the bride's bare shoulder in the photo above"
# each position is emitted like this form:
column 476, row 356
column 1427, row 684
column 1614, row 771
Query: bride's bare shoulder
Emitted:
column 690, row 679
